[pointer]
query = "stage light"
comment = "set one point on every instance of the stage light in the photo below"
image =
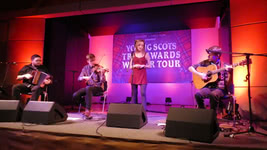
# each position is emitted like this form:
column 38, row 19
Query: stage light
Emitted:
column 168, row 101
column 128, row 99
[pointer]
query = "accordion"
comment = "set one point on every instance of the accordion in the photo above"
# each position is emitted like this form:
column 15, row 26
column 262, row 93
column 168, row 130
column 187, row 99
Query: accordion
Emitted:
column 39, row 77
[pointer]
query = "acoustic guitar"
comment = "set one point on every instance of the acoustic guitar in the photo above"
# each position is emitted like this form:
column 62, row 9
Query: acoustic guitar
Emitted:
column 212, row 73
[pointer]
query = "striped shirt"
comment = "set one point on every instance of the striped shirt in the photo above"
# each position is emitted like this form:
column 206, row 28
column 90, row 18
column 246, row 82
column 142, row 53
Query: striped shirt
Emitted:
column 96, row 78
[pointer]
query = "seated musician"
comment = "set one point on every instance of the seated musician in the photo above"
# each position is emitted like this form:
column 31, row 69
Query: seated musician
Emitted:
column 27, row 74
column 213, row 90
column 94, row 76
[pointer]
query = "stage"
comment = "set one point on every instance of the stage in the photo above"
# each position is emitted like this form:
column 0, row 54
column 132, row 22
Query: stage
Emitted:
column 77, row 133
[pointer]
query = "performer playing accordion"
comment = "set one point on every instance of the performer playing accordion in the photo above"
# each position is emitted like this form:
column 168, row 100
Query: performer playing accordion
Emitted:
column 34, row 77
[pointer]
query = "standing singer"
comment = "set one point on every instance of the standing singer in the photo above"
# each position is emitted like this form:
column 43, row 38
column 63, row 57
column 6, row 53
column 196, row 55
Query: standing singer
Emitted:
column 140, row 60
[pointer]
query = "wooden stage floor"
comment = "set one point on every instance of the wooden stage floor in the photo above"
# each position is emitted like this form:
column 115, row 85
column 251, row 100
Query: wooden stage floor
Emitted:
column 151, row 133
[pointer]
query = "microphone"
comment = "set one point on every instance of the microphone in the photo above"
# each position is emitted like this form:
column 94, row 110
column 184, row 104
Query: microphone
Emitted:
column 12, row 63
column 213, row 51
column 72, row 70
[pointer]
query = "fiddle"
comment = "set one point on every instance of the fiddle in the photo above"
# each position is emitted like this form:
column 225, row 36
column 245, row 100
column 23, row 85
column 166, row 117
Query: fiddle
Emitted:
column 99, row 68
column 96, row 68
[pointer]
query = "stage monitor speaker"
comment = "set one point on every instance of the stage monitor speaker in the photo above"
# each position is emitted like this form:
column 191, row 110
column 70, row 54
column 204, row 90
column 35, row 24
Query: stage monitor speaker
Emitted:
column 192, row 124
column 43, row 113
column 126, row 116
column 10, row 110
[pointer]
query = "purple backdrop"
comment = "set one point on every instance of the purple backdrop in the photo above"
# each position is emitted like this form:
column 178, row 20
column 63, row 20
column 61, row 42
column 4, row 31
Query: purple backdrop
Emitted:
column 170, row 53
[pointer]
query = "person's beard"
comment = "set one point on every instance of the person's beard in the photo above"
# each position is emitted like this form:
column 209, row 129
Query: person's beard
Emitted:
column 37, row 65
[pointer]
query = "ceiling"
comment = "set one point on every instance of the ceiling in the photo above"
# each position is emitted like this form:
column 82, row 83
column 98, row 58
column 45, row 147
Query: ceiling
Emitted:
column 187, row 16
column 154, row 19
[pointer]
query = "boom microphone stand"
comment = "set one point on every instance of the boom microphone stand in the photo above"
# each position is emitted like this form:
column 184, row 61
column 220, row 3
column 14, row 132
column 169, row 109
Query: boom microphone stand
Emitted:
column 2, row 91
column 250, row 128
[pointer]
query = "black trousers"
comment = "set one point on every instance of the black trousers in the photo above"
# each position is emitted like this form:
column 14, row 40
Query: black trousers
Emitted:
column 213, row 94
column 88, row 92
column 23, row 88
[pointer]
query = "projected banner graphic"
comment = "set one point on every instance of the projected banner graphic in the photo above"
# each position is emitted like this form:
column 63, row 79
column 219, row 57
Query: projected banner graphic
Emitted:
column 170, row 53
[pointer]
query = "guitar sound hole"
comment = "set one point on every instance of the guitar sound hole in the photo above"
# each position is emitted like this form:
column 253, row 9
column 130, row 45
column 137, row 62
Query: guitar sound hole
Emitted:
column 209, row 73
column 207, row 79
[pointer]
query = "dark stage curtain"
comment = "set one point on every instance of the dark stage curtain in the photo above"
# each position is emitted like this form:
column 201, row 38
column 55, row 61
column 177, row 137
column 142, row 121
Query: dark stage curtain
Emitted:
column 4, row 86
column 65, row 47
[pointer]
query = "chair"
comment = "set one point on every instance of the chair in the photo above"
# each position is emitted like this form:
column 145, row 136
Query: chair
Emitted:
column 231, row 106
column 104, row 93
column 42, row 97
column 230, row 98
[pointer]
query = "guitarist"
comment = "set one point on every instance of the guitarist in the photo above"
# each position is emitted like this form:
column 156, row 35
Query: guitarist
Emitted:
column 214, row 90
column 94, row 76
column 25, row 74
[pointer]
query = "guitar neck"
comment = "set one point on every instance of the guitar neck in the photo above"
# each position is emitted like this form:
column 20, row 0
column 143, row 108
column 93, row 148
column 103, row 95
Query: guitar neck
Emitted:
column 224, row 68
column 218, row 70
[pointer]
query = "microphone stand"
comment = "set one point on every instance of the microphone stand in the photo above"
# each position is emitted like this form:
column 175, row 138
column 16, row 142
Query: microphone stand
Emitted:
column 73, row 79
column 2, row 91
column 250, row 128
